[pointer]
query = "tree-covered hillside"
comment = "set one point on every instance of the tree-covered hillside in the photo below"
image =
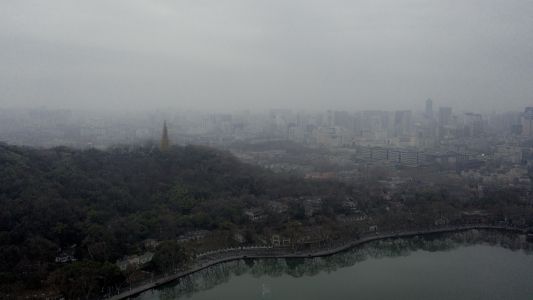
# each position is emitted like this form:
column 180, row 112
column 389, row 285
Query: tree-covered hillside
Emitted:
column 103, row 204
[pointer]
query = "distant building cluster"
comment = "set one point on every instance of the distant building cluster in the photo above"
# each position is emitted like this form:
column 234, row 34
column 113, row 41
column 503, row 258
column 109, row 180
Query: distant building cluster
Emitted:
column 433, row 135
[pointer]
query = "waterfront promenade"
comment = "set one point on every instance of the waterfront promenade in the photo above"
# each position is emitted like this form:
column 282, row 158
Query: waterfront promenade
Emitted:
column 225, row 255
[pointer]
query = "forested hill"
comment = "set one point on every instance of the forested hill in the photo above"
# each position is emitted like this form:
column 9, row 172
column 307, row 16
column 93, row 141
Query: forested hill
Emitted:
column 106, row 202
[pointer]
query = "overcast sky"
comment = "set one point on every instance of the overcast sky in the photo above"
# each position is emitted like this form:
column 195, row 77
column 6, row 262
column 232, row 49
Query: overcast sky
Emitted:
column 248, row 54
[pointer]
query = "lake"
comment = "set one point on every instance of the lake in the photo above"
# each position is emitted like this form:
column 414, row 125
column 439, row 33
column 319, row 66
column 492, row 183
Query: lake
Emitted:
column 464, row 265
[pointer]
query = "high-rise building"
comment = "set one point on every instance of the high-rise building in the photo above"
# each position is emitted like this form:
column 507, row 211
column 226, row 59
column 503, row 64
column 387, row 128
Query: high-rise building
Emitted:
column 330, row 118
column 402, row 122
column 445, row 116
column 445, row 122
column 342, row 119
column 473, row 124
column 527, row 122
column 165, row 142
column 429, row 108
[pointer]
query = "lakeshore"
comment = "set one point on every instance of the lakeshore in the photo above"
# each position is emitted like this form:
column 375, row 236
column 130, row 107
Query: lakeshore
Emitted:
column 274, row 253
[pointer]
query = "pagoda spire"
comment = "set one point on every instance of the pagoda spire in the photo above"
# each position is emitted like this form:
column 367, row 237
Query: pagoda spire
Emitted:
column 165, row 142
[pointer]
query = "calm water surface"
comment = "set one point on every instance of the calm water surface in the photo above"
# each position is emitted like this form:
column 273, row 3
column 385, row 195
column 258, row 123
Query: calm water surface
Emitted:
column 467, row 265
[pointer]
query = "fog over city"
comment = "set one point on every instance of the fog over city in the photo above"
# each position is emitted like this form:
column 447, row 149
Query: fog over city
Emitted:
column 274, row 149
column 238, row 54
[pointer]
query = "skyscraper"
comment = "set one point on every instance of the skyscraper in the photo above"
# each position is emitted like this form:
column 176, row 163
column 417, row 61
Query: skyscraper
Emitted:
column 165, row 142
column 445, row 121
column 473, row 124
column 445, row 116
column 402, row 123
column 429, row 108
column 527, row 122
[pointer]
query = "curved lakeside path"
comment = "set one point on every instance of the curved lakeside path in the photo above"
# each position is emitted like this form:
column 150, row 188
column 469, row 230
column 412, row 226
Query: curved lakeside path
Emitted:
column 238, row 254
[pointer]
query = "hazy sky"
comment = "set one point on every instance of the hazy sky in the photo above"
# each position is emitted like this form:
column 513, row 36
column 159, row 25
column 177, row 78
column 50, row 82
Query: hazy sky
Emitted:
column 248, row 54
